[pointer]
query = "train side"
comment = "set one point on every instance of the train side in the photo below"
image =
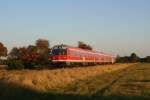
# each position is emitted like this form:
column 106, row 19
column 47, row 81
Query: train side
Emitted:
column 72, row 55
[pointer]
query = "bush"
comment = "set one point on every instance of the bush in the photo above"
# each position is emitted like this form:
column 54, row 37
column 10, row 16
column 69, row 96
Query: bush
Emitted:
column 15, row 64
column 148, row 59
column 3, row 62
column 28, row 65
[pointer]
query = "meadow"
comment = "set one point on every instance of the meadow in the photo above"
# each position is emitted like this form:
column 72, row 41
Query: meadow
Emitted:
column 105, row 82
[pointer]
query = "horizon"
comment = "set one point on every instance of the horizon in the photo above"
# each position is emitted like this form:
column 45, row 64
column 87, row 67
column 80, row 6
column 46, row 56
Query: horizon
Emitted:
column 109, row 26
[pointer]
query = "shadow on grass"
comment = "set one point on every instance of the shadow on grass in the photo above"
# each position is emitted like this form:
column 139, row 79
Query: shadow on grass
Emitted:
column 11, row 91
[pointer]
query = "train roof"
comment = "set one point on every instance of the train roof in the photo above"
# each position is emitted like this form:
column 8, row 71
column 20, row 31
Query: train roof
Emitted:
column 91, row 51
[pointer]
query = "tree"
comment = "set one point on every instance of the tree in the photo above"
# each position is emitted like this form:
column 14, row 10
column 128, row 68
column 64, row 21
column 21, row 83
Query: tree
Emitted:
column 42, row 43
column 22, row 51
column 31, row 55
column 143, row 59
column 83, row 45
column 148, row 59
column 124, row 59
column 14, row 53
column 43, row 51
column 3, row 50
column 31, row 49
column 118, row 59
column 18, row 53
column 134, row 57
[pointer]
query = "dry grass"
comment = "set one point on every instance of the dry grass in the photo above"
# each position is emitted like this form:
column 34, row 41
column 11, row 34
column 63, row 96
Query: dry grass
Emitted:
column 132, row 83
column 105, row 82
column 3, row 66
column 43, row 80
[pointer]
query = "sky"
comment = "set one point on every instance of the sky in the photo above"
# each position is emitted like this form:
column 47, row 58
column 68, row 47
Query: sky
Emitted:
column 111, row 26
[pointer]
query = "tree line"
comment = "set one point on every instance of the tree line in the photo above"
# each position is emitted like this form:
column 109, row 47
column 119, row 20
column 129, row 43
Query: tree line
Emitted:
column 39, row 54
column 126, row 59
column 133, row 58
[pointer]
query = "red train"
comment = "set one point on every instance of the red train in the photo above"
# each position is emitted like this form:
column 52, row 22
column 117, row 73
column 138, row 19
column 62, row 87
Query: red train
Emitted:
column 67, row 55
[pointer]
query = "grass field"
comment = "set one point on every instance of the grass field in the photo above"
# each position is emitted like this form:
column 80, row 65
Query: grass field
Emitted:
column 105, row 82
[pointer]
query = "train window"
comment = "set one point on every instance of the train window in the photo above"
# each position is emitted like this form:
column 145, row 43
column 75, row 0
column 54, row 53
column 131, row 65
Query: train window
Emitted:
column 59, row 51
column 55, row 51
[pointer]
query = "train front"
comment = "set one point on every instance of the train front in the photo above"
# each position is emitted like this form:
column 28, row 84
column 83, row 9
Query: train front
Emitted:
column 59, row 54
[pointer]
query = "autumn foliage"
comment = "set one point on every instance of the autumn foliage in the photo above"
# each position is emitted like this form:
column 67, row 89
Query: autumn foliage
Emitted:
column 3, row 54
column 33, row 54
column 3, row 50
column 83, row 45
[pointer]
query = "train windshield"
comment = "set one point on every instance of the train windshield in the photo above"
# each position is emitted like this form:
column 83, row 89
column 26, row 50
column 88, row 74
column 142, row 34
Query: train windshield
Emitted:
column 59, row 50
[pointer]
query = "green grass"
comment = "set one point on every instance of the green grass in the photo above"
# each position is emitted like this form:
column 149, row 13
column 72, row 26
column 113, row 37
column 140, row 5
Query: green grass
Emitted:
column 132, row 83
